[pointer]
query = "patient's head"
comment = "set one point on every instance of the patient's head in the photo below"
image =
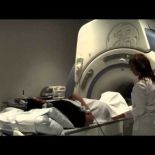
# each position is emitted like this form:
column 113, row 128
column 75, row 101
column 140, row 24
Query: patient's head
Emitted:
column 33, row 103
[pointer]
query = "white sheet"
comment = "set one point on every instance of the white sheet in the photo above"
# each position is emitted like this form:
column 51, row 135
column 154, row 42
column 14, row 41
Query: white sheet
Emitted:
column 45, row 125
column 51, row 121
column 115, row 103
column 7, row 118
column 99, row 110
column 109, row 105
column 59, row 117
column 34, row 121
column 26, row 120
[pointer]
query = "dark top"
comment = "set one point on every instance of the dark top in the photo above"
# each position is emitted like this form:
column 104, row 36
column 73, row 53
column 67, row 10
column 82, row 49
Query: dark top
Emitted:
column 74, row 113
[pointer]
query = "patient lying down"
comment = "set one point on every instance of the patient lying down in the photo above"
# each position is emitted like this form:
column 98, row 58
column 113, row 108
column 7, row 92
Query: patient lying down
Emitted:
column 67, row 113
column 83, row 111
column 73, row 110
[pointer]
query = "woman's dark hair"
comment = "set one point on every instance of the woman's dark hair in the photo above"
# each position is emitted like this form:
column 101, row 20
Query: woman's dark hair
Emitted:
column 141, row 64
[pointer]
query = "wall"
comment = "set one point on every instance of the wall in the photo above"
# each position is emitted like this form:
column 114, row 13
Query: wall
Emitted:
column 35, row 54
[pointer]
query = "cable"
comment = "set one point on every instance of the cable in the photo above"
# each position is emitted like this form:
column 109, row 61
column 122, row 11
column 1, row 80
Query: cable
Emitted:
column 99, row 126
column 96, row 122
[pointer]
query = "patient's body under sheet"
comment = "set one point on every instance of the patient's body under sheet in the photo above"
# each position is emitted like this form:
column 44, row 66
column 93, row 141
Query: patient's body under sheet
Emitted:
column 99, row 110
column 110, row 104
column 115, row 103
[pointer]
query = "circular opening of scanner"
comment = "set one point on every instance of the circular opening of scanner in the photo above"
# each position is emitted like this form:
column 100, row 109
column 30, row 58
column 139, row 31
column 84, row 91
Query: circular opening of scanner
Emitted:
column 108, row 71
column 118, row 78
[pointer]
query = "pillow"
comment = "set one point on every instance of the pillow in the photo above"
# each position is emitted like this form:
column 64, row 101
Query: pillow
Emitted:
column 7, row 118
column 37, row 120
column 17, row 133
column 59, row 117
column 45, row 125
column 26, row 120
column 9, row 114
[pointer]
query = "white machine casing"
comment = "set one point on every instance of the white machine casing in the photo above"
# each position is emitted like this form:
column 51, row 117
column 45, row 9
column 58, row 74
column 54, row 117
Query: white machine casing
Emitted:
column 103, row 50
column 104, row 47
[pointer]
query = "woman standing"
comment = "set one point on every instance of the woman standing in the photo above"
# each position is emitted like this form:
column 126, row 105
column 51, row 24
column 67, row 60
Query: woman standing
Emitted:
column 143, row 96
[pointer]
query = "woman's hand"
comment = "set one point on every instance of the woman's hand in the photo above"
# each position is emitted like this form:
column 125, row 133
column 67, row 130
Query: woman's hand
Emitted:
column 89, row 118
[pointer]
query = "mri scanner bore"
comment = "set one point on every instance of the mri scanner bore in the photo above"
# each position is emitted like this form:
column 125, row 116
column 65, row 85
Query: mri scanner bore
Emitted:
column 103, row 51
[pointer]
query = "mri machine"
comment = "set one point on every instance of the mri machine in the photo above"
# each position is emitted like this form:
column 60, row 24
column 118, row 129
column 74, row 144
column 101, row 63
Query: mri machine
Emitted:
column 103, row 50
column 101, row 64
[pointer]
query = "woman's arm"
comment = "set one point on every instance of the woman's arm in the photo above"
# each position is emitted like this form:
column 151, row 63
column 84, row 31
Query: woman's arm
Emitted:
column 80, row 99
